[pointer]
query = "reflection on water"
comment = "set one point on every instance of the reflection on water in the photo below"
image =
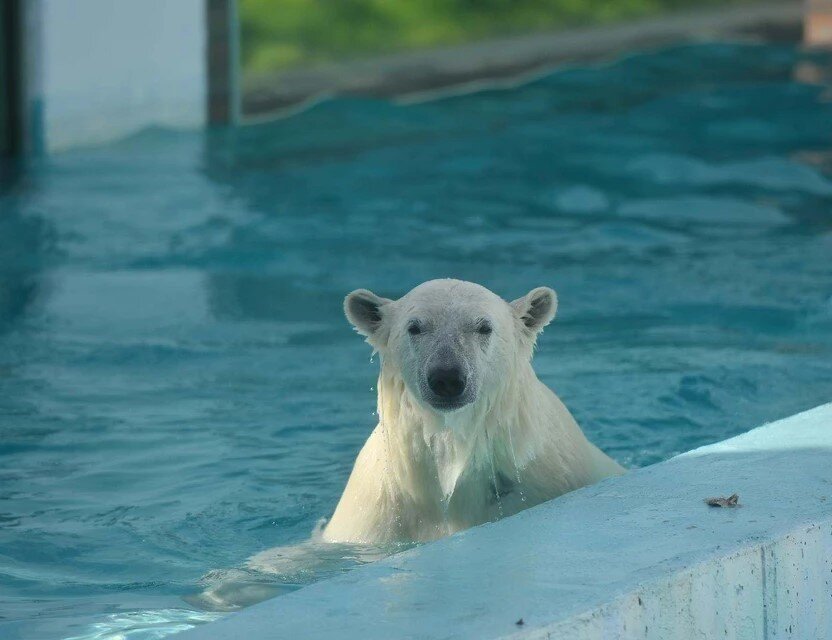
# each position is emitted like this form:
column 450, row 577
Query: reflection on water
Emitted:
column 26, row 243
column 185, row 392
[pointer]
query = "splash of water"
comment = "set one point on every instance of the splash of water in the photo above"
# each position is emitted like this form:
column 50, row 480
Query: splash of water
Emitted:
column 146, row 625
column 516, row 466
column 490, row 450
column 386, row 435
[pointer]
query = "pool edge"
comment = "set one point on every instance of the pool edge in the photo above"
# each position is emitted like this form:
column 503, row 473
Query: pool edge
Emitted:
column 638, row 556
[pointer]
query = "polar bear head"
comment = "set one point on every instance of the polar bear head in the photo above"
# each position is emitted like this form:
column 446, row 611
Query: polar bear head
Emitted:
column 452, row 342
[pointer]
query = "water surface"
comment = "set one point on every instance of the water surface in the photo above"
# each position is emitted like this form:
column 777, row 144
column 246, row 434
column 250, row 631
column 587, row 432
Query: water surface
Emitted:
column 179, row 388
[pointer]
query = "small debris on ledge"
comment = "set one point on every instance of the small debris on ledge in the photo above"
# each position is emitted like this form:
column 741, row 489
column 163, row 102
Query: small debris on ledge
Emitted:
column 731, row 501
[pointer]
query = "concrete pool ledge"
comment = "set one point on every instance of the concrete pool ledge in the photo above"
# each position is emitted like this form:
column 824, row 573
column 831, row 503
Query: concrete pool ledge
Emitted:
column 640, row 556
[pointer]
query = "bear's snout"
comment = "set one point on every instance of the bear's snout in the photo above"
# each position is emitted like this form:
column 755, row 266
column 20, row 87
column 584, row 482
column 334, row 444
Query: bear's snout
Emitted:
column 447, row 382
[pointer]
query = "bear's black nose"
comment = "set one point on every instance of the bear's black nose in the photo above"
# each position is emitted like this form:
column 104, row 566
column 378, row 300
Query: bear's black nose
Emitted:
column 447, row 382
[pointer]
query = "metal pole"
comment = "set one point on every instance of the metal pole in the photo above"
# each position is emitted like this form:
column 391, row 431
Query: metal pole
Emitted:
column 223, row 62
column 11, row 98
column 21, row 100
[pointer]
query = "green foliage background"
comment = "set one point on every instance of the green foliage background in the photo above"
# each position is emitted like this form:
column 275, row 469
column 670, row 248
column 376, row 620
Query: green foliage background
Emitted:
column 277, row 34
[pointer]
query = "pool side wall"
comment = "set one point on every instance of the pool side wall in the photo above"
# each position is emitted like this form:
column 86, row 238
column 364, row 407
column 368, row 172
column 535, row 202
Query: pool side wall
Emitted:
column 98, row 71
column 640, row 556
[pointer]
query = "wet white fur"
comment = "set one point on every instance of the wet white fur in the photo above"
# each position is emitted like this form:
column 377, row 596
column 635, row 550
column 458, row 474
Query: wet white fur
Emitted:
column 424, row 474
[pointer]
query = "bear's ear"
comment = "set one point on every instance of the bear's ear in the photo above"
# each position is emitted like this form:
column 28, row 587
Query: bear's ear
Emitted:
column 365, row 311
column 536, row 309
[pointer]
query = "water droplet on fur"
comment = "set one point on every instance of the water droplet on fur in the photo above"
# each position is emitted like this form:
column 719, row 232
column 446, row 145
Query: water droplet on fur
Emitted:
column 494, row 480
column 516, row 466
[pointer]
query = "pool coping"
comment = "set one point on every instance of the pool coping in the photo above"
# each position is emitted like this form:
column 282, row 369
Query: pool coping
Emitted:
column 426, row 74
column 639, row 556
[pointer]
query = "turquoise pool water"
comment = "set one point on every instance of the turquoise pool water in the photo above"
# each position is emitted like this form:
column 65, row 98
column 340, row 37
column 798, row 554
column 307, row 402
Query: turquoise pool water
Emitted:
column 179, row 388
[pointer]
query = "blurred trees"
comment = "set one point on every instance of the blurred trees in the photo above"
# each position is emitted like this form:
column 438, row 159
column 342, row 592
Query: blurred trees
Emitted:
column 277, row 34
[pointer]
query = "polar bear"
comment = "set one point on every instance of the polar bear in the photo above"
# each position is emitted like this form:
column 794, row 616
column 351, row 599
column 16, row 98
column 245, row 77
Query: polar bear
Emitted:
column 466, row 433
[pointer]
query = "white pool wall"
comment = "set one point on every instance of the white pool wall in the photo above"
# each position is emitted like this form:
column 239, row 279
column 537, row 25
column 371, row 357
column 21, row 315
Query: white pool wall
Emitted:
column 640, row 556
column 102, row 70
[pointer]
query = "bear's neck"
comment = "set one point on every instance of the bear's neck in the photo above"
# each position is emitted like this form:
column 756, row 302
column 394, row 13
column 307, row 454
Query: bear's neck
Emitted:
column 478, row 438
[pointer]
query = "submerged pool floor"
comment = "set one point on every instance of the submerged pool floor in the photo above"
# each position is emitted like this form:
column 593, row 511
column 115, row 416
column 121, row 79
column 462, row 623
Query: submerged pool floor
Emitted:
column 179, row 388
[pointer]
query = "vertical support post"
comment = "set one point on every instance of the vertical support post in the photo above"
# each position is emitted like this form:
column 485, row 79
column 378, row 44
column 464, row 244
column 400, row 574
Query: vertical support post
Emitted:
column 223, row 52
column 11, row 100
column 21, row 103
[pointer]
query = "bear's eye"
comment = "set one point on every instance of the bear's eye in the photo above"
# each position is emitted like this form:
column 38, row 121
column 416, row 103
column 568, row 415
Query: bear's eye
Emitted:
column 414, row 329
column 484, row 328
